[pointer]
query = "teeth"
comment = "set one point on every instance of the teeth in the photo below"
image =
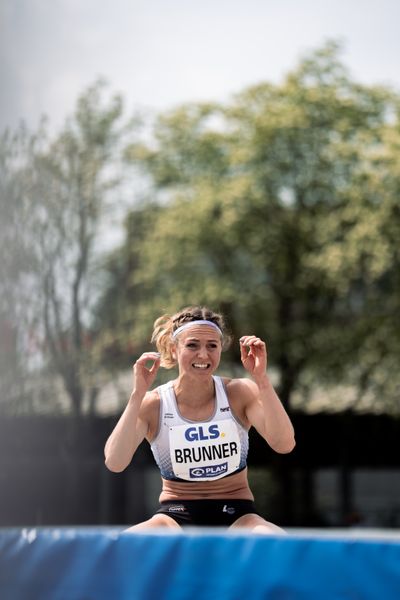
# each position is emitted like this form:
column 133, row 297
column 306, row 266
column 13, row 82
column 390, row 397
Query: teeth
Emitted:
column 198, row 366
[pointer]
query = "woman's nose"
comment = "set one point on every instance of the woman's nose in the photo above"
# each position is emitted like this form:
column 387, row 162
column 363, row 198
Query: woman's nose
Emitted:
column 202, row 351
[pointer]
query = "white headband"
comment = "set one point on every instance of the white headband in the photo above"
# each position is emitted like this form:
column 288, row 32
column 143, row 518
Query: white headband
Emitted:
column 191, row 323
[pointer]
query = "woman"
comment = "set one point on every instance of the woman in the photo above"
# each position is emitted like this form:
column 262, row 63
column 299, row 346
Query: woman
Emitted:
column 197, row 425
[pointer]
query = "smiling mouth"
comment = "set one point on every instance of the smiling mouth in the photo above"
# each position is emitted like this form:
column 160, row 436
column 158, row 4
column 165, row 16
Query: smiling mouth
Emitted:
column 202, row 366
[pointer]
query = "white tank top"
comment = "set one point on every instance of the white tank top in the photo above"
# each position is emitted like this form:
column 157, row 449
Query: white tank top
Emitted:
column 199, row 451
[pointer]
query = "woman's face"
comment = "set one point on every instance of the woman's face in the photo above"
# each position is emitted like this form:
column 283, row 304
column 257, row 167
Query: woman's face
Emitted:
column 198, row 350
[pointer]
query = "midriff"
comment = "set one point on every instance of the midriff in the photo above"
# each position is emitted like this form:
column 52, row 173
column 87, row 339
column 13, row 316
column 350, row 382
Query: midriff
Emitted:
column 234, row 486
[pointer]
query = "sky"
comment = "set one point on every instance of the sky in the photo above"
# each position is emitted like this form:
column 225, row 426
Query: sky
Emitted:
column 161, row 53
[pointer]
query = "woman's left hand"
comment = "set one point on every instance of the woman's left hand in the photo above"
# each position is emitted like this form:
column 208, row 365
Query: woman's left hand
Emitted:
column 253, row 353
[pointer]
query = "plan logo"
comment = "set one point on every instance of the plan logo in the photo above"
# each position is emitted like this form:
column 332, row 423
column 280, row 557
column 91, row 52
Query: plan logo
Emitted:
column 211, row 471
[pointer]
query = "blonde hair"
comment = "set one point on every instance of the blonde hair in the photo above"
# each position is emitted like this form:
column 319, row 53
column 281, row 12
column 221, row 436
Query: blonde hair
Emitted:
column 165, row 326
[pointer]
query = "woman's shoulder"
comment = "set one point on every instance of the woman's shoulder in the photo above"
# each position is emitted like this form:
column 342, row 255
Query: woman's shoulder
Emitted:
column 239, row 386
column 240, row 396
column 151, row 398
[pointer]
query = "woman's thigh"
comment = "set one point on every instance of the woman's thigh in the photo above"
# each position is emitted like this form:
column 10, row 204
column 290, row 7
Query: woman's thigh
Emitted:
column 153, row 522
column 257, row 524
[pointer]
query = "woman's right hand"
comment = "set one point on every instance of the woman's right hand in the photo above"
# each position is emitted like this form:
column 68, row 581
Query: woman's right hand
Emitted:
column 143, row 375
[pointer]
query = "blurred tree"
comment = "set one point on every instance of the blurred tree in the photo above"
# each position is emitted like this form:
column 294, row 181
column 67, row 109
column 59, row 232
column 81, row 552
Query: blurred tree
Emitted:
column 16, row 301
column 63, row 195
column 115, row 314
column 268, row 213
column 364, row 265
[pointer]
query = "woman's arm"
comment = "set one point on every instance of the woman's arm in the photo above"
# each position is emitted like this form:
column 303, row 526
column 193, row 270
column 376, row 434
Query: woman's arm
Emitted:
column 264, row 409
column 133, row 424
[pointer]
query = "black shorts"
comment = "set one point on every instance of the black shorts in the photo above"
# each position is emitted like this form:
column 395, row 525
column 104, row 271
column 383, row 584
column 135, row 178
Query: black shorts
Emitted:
column 207, row 513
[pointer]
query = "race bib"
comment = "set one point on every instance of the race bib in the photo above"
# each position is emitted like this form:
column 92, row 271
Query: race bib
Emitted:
column 204, row 451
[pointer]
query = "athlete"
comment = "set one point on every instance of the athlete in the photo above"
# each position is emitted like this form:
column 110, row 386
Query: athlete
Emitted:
column 197, row 425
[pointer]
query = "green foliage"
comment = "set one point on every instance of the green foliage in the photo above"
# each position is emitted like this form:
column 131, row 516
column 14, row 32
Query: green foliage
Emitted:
column 282, row 211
